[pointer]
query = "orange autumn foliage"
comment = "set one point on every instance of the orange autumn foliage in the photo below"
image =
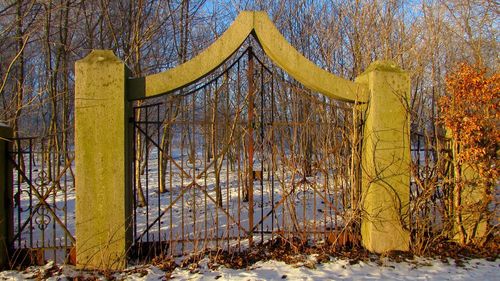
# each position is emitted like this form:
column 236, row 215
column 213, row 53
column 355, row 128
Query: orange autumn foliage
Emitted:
column 470, row 112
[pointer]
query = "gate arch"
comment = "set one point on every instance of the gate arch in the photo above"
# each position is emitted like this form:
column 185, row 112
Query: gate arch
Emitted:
column 103, row 96
column 274, row 45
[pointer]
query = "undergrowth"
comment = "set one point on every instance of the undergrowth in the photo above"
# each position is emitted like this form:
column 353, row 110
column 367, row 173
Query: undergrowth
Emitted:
column 302, row 254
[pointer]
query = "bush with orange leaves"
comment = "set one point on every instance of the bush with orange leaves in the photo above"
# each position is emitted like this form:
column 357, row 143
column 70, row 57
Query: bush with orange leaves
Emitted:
column 470, row 113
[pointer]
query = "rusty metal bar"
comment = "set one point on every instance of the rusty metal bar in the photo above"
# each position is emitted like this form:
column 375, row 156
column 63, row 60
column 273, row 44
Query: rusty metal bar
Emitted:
column 250, row 148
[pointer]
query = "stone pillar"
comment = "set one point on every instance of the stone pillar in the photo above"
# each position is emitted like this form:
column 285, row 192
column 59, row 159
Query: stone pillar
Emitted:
column 474, row 220
column 103, row 192
column 385, row 158
column 6, row 222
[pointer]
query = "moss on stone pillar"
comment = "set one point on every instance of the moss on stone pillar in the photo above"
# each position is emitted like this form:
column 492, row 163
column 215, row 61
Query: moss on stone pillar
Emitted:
column 103, row 192
column 474, row 197
column 385, row 158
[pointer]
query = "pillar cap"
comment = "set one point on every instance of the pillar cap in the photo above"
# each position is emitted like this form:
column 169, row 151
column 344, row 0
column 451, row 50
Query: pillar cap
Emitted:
column 100, row 56
column 383, row 65
column 380, row 66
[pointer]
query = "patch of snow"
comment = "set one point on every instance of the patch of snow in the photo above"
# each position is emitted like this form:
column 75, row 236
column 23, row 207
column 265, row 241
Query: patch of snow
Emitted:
column 420, row 269
column 336, row 269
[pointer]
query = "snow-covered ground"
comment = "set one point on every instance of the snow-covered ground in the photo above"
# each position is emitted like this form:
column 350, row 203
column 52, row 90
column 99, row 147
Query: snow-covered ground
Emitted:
column 335, row 269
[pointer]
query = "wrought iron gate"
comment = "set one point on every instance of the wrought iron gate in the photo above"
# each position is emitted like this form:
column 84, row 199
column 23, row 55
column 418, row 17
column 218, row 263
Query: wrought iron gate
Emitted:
column 43, row 203
column 241, row 157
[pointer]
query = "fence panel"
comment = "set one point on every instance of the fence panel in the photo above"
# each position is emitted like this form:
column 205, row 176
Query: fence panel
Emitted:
column 44, row 196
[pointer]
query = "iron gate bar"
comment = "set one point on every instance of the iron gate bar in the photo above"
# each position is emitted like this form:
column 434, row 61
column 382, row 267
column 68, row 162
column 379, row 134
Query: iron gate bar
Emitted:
column 433, row 148
column 173, row 160
column 238, row 96
column 182, row 193
column 237, row 237
column 134, row 171
column 311, row 184
column 41, row 202
column 146, row 106
column 262, row 150
column 30, row 153
column 194, row 169
column 249, row 178
column 216, row 158
column 276, row 123
column 168, row 155
column 272, row 156
column 25, row 249
column 216, row 78
column 158, row 127
column 226, row 78
column 159, row 147
column 185, row 173
column 147, row 172
column 184, row 190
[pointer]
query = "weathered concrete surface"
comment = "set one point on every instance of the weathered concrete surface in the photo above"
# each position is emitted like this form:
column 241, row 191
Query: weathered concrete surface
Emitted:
column 473, row 197
column 385, row 158
column 303, row 70
column 103, row 194
column 6, row 222
column 274, row 45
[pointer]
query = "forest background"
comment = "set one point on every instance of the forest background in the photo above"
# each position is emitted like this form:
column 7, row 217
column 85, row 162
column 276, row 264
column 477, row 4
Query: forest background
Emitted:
column 41, row 40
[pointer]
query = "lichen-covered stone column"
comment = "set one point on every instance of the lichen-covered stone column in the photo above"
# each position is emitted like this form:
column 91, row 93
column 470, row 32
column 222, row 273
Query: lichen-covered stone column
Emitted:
column 474, row 195
column 385, row 158
column 6, row 222
column 103, row 193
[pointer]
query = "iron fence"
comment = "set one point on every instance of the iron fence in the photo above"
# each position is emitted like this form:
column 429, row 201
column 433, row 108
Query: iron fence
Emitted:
column 43, row 202
column 431, row 184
